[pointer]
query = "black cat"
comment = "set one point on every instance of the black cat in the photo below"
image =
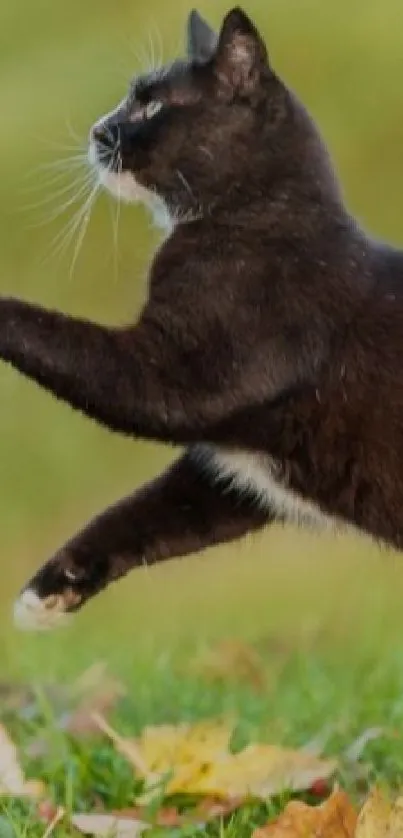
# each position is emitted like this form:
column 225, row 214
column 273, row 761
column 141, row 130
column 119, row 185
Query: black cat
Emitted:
column 271, row 344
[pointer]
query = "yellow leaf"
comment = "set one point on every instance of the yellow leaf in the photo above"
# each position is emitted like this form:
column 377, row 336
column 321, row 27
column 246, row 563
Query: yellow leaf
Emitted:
column 166, row 746
column 259, row 771
column 196, row 759
column 335, row 818
column 380, row 818
column 12, row 780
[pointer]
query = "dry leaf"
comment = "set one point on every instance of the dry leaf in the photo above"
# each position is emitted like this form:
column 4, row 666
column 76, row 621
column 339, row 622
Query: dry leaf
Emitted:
column 207, row 810
column 380, row 818
column 195, row 759
column 232, row 660
column 12, row 780
column 163, row 746
column 335, row 818
column 98, row 692
column 109, row 826
column 260, row 771
column 14, row 697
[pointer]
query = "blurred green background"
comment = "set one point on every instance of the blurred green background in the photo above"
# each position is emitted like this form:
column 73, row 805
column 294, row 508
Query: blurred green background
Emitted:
column 61, row 66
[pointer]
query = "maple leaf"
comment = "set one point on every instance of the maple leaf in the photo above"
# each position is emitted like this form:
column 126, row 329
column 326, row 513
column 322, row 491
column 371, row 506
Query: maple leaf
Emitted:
column 335, row 818
column 260, row 771
column 12, row 780
column 196, row 759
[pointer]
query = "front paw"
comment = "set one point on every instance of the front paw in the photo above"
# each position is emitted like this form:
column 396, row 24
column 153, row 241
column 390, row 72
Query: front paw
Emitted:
column 60, row 587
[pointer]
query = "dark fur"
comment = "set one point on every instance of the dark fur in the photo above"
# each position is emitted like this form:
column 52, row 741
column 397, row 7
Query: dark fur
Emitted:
column 273, row 324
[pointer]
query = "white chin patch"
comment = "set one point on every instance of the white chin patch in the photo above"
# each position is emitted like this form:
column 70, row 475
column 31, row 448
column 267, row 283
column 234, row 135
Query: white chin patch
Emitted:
column 34, row 614
column 124, row 187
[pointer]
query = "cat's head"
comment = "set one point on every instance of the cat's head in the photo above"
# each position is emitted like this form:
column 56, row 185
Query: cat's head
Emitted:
column 202, row 128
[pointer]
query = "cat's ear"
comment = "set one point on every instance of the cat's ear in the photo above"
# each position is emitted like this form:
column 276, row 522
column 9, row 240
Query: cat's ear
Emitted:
column 241, row 53
column 201, row 39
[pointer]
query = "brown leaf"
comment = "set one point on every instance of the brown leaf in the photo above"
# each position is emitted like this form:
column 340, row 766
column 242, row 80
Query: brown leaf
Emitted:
column 14, row 697
column 12, row 780
column 109, row 826
column 99, row 693
column 232, row 660
column 207, row 810
column 335, row 818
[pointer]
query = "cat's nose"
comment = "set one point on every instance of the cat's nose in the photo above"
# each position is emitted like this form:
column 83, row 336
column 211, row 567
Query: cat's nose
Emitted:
column 104, row 136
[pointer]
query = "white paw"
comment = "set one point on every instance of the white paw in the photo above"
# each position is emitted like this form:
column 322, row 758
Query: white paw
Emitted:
column 31, row 613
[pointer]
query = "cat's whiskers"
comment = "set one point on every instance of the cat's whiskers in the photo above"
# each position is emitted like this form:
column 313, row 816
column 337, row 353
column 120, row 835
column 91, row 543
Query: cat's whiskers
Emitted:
column 83, row 224
column 60, row 165
column 66, row 235
column 160, row 44
column 117, row 158
column 72, row 133
column 152, row 50
column 55, row 145
column 56, row 194
column 77, row 195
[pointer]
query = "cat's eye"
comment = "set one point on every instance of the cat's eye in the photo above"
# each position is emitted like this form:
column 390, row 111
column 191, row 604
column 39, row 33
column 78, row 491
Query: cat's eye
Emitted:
column 152, row 109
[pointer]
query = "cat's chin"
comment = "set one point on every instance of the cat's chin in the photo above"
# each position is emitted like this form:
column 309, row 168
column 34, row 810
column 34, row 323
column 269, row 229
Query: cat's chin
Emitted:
column 124, row 187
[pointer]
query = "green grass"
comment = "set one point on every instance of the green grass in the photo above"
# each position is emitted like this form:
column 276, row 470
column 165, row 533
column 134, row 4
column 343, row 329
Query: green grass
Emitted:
column 332, row 610
column 308, row 695
column 328, row 634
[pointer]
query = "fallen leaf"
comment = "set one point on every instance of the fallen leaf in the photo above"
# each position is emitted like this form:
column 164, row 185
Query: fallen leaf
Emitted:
column 109, row 826
column 335, row 818
column 12, row 780
column 196, row 759
column 260, row 771
column 207, row 810
column 232, row 660
column 97, row 692
column 380, row 817
column 14, row 697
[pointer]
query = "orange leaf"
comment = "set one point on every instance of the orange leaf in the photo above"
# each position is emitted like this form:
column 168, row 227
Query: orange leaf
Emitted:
column 335, row 818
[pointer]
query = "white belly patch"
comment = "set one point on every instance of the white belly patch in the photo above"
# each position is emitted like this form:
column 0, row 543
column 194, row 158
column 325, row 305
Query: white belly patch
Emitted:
column 258, row 474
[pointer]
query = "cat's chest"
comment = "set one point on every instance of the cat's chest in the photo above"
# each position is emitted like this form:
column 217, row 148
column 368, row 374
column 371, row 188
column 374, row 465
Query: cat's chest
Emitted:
column 260, row 475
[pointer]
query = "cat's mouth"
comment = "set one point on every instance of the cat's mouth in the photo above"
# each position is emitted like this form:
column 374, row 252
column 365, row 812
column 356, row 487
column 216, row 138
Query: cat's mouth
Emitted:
column 104, row 156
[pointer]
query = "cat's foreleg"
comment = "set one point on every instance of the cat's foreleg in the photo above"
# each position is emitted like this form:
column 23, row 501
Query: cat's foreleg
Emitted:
column 138, row 380
column 186, row 509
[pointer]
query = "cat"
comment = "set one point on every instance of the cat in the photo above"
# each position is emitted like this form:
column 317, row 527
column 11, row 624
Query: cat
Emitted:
column 271, row 343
